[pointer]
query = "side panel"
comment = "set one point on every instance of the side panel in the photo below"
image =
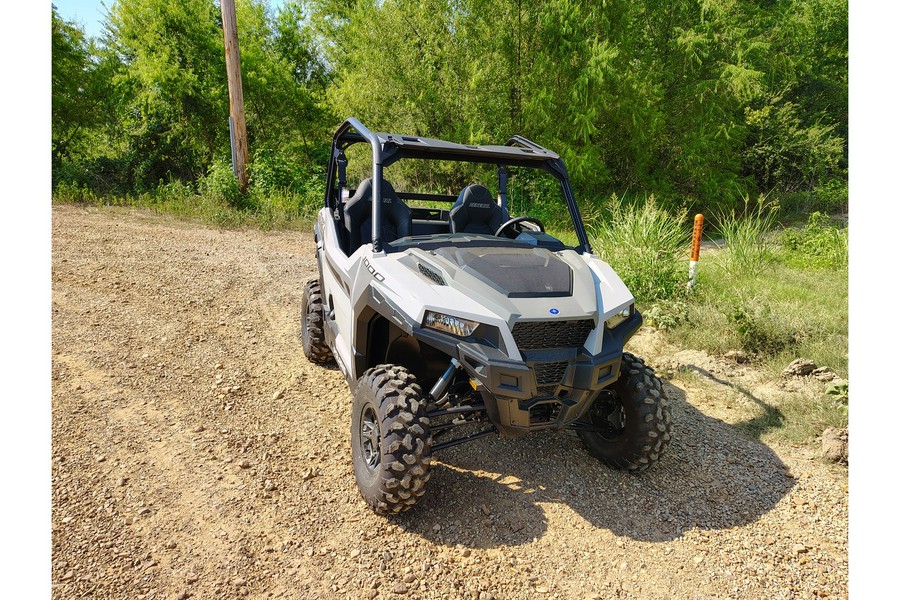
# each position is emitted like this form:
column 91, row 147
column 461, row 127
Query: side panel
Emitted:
column 335, row 269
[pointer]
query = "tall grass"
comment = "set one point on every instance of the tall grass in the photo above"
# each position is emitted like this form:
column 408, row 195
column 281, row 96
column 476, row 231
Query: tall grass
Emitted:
column 645, row 244
column 748, row 246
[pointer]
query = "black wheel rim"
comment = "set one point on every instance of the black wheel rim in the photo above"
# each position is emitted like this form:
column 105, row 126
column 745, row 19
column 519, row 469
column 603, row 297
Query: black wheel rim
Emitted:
column 608, row 415
column 370, row 438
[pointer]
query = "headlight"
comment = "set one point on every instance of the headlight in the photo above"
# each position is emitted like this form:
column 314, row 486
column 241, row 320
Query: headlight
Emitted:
column 620, row 317
column 450, row 324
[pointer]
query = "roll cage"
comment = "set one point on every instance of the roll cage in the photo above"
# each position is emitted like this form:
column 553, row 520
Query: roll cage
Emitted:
column 388, row 148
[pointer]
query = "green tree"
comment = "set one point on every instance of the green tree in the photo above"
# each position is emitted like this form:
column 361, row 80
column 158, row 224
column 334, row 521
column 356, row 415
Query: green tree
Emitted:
column 79, row 87
column 284, row 80
column 696, row 101
column 173, row 86
column 798, row 128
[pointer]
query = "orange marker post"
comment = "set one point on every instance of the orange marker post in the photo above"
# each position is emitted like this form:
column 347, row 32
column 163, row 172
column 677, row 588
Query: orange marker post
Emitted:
column 695, row 251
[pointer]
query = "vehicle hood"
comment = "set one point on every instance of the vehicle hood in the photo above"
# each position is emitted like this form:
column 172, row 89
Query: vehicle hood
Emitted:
column 510, row 282
column 514, row 272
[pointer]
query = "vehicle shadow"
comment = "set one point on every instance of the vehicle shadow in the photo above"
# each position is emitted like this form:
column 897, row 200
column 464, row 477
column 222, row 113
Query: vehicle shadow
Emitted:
column 498, row 492
column 770, row 418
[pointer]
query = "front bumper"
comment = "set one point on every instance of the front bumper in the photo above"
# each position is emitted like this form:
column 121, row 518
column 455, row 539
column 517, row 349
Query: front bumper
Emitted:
column 549, row 389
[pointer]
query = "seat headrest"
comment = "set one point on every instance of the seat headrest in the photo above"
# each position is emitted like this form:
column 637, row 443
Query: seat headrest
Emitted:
column 475, row 198
column 475, row 211
column 396, row 218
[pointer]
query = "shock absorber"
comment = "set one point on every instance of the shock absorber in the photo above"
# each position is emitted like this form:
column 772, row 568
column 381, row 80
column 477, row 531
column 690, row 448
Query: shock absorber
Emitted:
column 440, row 386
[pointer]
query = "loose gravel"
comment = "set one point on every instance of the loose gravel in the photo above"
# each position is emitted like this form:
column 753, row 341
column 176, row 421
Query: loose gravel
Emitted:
column 198, row 454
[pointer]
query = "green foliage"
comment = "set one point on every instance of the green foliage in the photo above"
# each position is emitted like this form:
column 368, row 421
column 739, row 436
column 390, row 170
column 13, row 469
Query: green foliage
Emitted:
column 220, row 184
column 538, row 194
column 748, row 248
column 172, row 86
column 830, row 197
column 272, row 171
column 73, row 193
column 820, row 244
column 283, row 80
column 631, row 94
column 645, row 244
column 667, row 314
column 80, row 86
column 152, row 97
column 783, row 152
column 760, row 330
column 839, row 391
column 699, row 105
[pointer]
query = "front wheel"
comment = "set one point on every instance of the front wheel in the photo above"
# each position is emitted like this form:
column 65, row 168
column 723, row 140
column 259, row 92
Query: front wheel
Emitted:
column 390, row 439
column 631, row 424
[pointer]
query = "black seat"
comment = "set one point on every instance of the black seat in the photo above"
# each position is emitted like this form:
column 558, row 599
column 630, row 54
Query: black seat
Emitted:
column 396, row 218
column 475, row 211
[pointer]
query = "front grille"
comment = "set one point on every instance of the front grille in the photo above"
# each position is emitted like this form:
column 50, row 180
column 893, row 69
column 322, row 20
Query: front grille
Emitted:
column 546, row 391
column 548, row 376
column 550, row 373
column 540, row 335
column 431, row 274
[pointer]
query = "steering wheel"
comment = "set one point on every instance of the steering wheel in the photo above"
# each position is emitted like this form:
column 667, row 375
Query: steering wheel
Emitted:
column 521, row 219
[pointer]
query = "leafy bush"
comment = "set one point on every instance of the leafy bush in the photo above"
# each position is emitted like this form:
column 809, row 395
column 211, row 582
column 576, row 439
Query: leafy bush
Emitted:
column 282, row 190
column 820, row 244
column 220, row 184
column 667, row 314
column 747, row 247
column 760, row 330
column 829, row 197
column 176, row 190
column 832, row 196
column 271, row 172
column 645, row 244
column 839, row 391
column 785, row 152
column 538, row 195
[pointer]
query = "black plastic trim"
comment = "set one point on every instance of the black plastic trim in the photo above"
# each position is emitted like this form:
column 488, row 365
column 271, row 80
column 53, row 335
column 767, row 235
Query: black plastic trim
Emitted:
column 458, row 240
column 509, row 387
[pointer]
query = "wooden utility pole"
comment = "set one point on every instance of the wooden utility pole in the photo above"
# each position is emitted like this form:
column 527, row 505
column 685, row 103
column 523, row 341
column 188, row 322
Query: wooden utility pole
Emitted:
column 240, row 153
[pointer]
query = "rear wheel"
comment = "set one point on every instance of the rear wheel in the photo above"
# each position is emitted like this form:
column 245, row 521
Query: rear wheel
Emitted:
column 312, row 332
column 632, row 419
column 390, row 439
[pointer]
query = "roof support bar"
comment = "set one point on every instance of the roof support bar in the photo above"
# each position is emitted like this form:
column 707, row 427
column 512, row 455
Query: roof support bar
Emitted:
column 388, row 148
column 501, row 187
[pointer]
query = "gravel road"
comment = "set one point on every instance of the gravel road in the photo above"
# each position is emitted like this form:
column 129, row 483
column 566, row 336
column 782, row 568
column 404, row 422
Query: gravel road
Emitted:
column 197, row 454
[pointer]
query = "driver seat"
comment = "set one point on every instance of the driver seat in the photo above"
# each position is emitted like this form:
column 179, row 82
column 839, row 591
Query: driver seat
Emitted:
column 476, row 211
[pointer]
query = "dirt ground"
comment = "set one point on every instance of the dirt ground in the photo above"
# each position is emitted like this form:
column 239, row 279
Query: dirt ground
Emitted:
column 198, row 454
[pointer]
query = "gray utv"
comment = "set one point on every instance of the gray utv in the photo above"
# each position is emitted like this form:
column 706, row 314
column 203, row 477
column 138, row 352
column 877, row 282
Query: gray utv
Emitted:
column 467, row 318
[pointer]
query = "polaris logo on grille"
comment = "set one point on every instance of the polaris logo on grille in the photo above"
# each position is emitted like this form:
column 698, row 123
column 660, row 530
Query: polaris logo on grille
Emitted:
column 554, row 311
